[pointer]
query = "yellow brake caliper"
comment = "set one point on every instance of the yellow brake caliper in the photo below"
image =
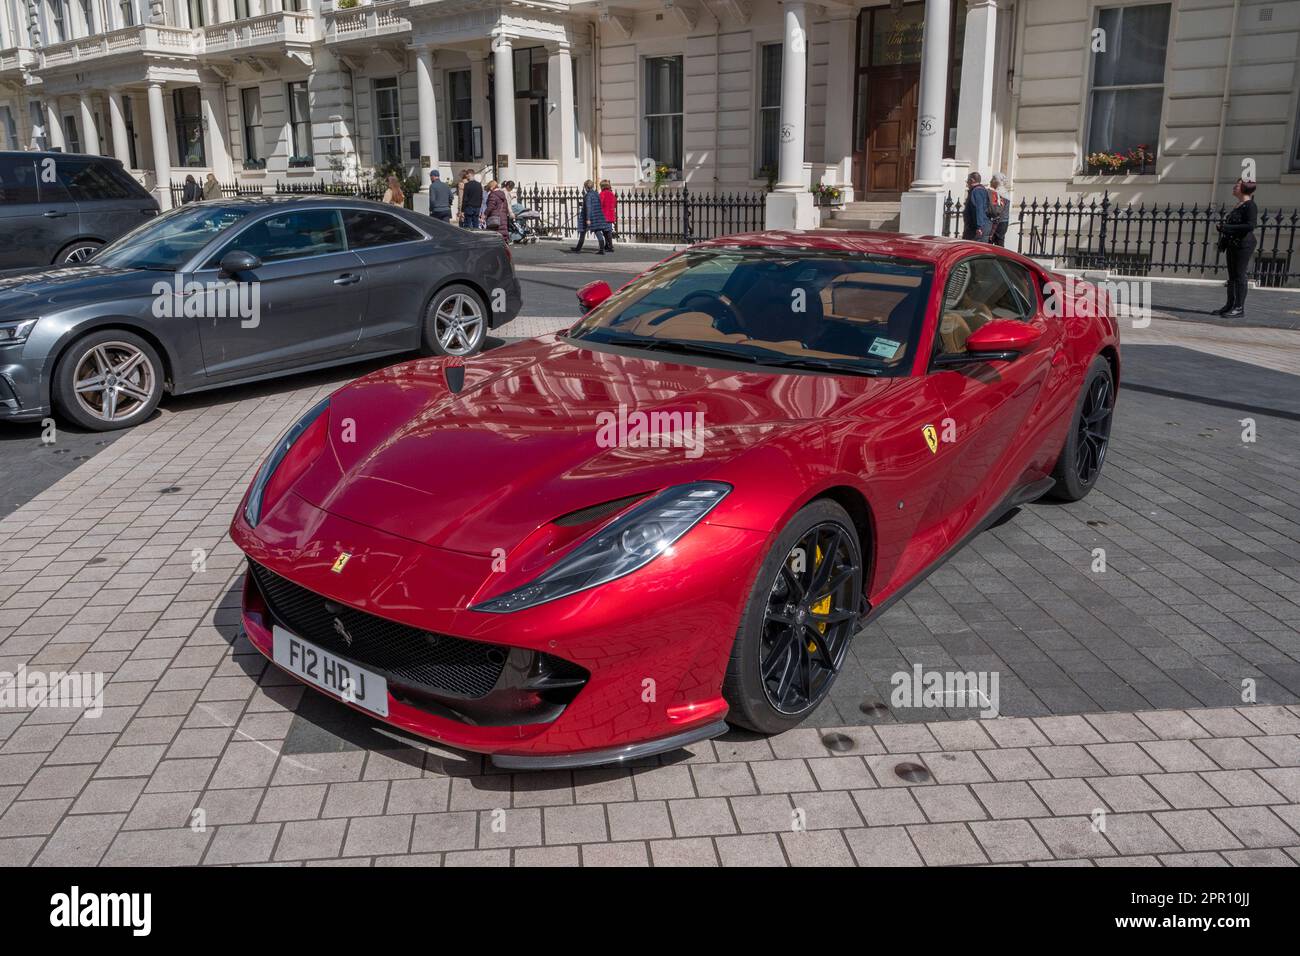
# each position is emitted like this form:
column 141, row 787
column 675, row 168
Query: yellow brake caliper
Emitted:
column 822, row 606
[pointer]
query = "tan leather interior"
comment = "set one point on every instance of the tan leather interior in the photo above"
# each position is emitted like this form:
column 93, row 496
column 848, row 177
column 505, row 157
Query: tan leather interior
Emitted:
column 852, row 298
column 696, row 326
column 953, row 332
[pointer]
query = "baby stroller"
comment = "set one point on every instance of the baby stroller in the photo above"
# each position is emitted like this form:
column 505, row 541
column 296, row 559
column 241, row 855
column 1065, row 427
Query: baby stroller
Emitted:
column 523, row 224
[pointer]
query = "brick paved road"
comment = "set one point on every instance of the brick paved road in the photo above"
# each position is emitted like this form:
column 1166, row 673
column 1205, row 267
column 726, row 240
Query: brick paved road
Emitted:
column 1200, row 593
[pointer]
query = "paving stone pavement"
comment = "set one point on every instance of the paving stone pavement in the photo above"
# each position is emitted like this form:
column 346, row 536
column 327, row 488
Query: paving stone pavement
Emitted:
column 1123, row 736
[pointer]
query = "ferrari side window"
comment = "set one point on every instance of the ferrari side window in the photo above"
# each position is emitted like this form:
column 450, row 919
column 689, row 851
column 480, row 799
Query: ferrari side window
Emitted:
column 978, row 291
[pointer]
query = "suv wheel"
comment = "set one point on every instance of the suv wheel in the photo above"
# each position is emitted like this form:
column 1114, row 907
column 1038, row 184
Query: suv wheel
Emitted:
column 79, row 252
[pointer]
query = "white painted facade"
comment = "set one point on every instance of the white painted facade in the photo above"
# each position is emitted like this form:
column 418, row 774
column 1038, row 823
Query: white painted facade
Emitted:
column 597, row 87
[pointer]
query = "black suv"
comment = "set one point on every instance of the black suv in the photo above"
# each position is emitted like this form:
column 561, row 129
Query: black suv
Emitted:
column 61, row 207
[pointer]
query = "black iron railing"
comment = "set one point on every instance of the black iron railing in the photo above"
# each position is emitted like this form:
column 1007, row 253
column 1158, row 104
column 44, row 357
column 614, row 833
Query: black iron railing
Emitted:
column 1144, row 240
column 229, row 190
column 678, row 215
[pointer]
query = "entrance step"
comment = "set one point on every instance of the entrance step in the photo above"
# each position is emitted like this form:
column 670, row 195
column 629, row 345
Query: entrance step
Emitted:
column 871, row 216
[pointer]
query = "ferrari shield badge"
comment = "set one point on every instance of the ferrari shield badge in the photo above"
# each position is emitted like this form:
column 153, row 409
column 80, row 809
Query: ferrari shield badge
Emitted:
column 340, row 562
column 931, row 438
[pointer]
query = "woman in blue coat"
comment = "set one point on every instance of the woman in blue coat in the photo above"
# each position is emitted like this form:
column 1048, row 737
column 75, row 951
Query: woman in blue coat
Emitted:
column 591, row 218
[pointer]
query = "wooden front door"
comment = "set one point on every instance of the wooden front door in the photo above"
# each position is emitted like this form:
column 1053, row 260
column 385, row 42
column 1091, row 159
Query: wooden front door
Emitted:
column 890, row 129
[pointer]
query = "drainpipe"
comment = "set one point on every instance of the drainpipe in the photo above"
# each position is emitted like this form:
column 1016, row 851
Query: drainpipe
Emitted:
column 596, row 100
column 1224, row 104
column 1018, row 59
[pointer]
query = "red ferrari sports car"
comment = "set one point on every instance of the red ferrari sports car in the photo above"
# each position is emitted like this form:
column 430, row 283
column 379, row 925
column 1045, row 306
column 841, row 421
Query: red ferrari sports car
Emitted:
column 612, row 541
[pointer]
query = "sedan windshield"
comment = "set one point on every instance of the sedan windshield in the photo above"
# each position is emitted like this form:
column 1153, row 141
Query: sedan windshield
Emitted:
column 171, row 240
column 807, row 309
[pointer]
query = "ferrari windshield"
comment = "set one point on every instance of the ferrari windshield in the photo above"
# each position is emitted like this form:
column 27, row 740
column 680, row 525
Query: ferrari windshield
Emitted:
column 169, row 241
column 830, row 311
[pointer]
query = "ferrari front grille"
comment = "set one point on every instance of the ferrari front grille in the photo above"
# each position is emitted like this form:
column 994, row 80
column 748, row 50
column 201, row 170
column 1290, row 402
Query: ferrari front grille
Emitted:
column 439, row 663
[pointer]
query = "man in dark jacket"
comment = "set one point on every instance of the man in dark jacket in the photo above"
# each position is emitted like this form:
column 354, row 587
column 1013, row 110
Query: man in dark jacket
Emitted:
column 1237, row 243
column 975, row 214
column 471, row 203
column 439, row 197
column 591, row 218
column 192, row 191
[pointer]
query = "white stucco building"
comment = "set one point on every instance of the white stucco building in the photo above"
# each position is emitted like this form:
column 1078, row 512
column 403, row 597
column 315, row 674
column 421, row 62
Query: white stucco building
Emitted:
column 889, row 102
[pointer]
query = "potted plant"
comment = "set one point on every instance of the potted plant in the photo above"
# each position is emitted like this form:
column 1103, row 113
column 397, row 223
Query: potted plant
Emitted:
column 301, row 162
column 769, row 173
column 828, row 195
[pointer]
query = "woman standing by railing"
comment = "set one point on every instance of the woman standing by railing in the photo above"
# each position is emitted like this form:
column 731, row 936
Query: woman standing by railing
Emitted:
column 1237, row 243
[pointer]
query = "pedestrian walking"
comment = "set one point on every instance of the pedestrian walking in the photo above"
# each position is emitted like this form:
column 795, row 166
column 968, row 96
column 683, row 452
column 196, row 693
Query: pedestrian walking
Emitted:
column 211, row 188
column 439, row 197
column 591, row 218
column 1237, row 243
column 393, row 195
column 191, row 191
column 975, row 214
column 497, row 213
column 609, row 206
column 471, row 202
column 999, row 208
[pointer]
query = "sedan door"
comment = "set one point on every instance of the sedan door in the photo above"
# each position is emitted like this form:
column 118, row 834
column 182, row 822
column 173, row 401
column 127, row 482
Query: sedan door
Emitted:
column 402, row 267
column 305, row 304
column 993, row 407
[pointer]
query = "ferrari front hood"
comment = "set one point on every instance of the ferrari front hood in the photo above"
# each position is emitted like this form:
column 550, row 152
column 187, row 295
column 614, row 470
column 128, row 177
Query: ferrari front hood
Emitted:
column 542, row 429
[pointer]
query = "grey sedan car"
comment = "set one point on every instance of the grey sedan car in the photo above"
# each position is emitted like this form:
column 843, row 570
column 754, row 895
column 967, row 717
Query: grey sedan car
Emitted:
column 217, row 293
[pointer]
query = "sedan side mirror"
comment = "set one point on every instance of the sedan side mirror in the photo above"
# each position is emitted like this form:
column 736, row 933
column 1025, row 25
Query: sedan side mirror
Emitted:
column 235, row 262
column 593, row 294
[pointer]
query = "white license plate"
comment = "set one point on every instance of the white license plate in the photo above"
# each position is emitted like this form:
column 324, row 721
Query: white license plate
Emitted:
column 319, row 667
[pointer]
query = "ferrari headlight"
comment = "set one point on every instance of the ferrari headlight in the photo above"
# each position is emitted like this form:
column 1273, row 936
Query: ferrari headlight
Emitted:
column 621, row 547
column 257, row 493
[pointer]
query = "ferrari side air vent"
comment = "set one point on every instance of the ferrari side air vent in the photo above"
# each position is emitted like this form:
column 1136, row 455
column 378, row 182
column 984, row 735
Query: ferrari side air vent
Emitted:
column 596, row 512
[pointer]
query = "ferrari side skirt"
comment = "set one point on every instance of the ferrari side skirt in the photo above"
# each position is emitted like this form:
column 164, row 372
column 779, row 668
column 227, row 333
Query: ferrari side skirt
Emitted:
column 1021, row 496
column 610, row 755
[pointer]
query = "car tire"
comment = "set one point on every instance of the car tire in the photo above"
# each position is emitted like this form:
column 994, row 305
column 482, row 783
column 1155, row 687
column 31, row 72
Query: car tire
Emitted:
column 77, row 252
column 120, row 374
column 1079, row 465
column 768, row 652
column 455, row 322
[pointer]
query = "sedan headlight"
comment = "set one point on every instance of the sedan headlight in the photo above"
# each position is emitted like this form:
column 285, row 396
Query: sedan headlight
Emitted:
column 270, row 481
column 621, row 547
column 11, row 333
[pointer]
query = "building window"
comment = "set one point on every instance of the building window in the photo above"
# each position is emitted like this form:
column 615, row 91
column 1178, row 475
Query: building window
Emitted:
column 663, row 111
column 196, row 14
column 250, row 101
column 71, row 135
column 127, row 9
column 532, row 83
column 187, row 109
column 1128, row 81
column 241, row 9
column 577, row 112
column 58, row 21
column 88, row 16
column 462, row 115
column 299, row 125
column 388, row 121
column 1295, row 149
column 769, row 110
column 128, row 118
column 9, row 127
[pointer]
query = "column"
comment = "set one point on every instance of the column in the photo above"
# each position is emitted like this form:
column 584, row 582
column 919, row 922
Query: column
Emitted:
column 427, row 107
column 790, row 205
column 975, row 113
column 561, row 125
column 89, row 132
column 840, row 80
column 54, row 125
column 215, row 120
column 162, row 171
column 503, row 87
column 922, row 205
column 117, row 123
column 478, row 82
column 794, row 74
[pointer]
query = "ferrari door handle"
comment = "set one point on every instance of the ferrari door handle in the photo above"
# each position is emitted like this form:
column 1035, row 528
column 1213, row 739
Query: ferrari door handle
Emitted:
column 54, row 214
column 348, row 278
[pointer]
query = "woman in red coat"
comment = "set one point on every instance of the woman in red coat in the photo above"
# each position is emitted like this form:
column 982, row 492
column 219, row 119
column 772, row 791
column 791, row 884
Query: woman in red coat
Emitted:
column 609, row 206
